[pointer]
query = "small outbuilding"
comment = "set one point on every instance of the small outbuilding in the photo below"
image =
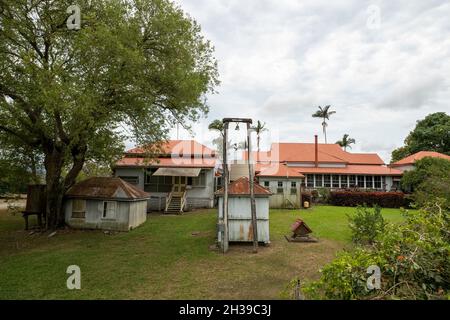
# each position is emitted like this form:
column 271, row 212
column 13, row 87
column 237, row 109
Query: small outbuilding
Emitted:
column 106, row 203
column 239, row 211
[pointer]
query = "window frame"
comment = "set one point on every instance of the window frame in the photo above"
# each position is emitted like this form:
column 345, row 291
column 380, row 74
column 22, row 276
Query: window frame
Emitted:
column 79, row 214
column 105, row 210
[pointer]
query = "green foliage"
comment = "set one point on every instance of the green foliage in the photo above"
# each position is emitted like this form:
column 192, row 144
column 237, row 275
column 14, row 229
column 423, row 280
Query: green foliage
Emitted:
column 325, row 114
column 366, row 224
column 324, row 195
column 133, row 70
column 430, row 178
column 346, row 142
column 413, row 257
column 430, row 134
column 217, row 125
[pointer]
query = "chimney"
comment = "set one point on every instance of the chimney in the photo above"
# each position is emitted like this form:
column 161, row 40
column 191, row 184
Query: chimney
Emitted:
column 316, row 151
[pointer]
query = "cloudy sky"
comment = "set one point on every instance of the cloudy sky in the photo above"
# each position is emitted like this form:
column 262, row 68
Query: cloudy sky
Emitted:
column 382, row 65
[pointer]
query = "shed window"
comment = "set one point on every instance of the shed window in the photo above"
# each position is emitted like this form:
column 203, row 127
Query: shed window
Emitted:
column 293, row 187
column 280, row 187
column 78, row 208
column 266, row 184
column 109, row 210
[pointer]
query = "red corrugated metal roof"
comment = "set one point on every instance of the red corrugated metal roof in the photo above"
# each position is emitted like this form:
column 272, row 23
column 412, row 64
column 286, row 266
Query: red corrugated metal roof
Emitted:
column 178, row 147
column 168, row 162
column 419, row 155
column 241, row 186
column 305, row 152
column 278, row 170
column 106, row 187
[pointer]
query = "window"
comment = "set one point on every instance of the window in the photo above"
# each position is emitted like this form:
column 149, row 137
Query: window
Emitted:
column 78, row 209
column 360, row 182
column 310, row 180
column 293, row 187
column 369, row 182
column 280, row 187
column 335, row 181
column 327, row 180
column 130, row 179
column 344, row 181
column 352, row 181
column 377, row 182
column 266, row 184
column 157, row 183
column 319, row 181
column 199, row 181
column 109, row 210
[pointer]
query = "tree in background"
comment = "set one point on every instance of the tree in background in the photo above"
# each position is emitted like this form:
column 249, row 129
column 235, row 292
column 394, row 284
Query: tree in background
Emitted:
column 346, row 142
column 217, row 125
column 259, row 128
column 67, row 94
column 430, row 134
column 325, row 114
column 431, row 176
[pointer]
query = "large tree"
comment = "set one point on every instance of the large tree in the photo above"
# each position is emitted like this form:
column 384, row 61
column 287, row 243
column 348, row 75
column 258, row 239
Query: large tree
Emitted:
column 430, row 134
column 133, row 69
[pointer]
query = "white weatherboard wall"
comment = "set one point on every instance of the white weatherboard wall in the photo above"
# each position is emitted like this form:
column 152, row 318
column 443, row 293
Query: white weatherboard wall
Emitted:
column 240, row 218
column 129, row 215
column 285, row 199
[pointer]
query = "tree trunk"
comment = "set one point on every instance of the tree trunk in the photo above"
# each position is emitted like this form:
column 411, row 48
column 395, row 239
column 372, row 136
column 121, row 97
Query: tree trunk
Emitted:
column 53, row 162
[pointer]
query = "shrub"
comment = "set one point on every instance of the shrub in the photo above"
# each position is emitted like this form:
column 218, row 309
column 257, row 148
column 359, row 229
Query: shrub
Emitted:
column 366, row 224
column 413, row 258
column 356, row 198
column 324, row 195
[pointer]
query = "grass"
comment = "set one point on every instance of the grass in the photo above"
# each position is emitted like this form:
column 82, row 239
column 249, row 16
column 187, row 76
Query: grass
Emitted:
column 162, row 259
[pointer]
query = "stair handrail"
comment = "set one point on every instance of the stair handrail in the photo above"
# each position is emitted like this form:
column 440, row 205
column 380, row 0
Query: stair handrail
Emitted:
column 183, row 201
column 169, row 197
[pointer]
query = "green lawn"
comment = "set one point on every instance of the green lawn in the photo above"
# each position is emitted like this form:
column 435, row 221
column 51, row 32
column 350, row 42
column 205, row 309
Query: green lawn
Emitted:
column 162, row 259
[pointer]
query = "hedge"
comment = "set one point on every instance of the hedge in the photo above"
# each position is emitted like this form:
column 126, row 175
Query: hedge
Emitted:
column 355, row 198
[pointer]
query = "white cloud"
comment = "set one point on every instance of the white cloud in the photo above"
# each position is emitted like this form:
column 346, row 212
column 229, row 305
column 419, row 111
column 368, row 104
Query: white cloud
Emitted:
column 279, row 60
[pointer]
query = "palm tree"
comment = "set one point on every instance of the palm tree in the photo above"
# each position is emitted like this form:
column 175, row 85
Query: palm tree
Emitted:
column 259, row 128
column 325, row 114
column 217, row 125
column 346, row 142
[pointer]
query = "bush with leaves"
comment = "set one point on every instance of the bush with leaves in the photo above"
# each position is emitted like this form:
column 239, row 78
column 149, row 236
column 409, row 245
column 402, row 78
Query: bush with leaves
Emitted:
column 413, row 257
column 366, row 224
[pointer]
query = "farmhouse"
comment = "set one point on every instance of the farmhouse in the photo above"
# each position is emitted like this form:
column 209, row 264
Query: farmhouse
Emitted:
column 407, row 163
column 105, row 203
column 319, row 165
column 179, row 174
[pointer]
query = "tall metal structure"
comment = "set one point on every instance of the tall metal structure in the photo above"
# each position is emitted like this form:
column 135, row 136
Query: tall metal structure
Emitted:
column 224, row 227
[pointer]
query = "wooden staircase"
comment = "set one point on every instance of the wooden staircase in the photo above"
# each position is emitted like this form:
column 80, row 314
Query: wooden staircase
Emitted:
column 175, row 203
